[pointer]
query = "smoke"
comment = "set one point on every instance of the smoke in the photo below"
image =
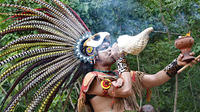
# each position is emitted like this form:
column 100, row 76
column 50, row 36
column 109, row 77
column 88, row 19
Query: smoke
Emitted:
column 119, row 17
column 195, row 11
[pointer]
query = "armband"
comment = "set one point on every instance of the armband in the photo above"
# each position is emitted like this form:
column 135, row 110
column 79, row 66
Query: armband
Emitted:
column 122, row 65
column 172, row 68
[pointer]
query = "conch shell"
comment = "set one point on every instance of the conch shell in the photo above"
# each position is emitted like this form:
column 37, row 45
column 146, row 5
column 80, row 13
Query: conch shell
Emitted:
column 134, row 44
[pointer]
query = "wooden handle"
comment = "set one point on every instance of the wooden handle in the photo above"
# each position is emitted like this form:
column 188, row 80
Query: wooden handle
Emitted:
column 198, row 57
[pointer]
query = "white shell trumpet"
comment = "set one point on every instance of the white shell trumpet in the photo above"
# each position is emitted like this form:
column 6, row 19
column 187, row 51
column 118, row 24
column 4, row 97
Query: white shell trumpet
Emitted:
column 134, row 44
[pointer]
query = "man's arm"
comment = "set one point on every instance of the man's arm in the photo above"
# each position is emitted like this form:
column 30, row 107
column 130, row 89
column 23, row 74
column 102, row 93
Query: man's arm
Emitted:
column 161, row 77
column 124, row 91
column 157, row 79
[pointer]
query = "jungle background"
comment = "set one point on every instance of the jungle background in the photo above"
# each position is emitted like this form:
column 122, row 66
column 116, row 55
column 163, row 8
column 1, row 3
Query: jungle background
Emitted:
column 170, row 18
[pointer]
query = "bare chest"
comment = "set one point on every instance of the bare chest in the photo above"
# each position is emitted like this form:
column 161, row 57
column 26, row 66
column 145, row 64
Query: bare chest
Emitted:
column 107, row 104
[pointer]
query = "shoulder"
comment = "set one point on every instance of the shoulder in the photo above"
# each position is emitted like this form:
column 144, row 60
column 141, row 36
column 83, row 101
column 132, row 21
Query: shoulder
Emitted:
column 89, row 77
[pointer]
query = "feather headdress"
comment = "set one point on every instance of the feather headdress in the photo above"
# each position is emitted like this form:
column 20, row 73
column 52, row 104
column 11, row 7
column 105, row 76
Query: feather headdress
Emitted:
column 54, row 58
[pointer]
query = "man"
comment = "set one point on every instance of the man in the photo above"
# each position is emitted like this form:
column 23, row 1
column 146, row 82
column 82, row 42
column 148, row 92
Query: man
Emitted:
column 105, row 90
column 57, row 56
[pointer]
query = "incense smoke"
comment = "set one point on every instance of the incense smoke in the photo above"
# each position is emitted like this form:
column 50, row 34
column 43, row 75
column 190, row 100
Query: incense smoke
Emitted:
column 119, row 17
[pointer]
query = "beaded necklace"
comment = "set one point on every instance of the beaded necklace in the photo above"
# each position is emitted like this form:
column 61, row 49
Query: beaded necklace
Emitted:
column 106, row 71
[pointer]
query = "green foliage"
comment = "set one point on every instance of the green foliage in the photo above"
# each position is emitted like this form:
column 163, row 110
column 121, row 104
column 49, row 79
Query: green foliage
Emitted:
column 169, row 18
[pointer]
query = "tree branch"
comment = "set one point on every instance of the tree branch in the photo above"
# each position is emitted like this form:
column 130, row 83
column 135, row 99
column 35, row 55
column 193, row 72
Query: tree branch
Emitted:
column 195, row 107
column 66, row 101
column 176, row 93
column 178, row 34
column 163, row 20
column 138, row 63
column 3, row 90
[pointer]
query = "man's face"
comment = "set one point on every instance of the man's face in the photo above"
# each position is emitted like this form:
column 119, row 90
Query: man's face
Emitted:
column 104, row 53
column 102, row 44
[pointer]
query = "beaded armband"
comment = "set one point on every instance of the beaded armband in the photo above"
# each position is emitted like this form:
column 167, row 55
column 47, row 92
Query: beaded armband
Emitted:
column 172, row 68
column 122, row 65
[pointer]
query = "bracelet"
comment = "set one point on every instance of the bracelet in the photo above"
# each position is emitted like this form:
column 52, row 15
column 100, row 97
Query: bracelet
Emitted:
column 172, row 68
column 122, row 65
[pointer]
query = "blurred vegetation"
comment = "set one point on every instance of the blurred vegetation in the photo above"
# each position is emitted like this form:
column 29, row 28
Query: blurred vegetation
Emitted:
column 170, row 18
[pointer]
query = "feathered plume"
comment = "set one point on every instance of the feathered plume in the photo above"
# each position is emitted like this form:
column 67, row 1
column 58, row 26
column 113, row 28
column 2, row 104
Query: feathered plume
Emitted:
column 49, row 60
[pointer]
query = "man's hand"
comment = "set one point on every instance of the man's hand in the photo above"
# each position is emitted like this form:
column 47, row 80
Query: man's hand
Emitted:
column 115, row 52
column 118, row 83
column 183, row 63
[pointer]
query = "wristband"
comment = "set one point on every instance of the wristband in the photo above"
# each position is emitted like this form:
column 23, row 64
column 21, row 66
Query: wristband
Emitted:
column 172, row 68
column 122, row 65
